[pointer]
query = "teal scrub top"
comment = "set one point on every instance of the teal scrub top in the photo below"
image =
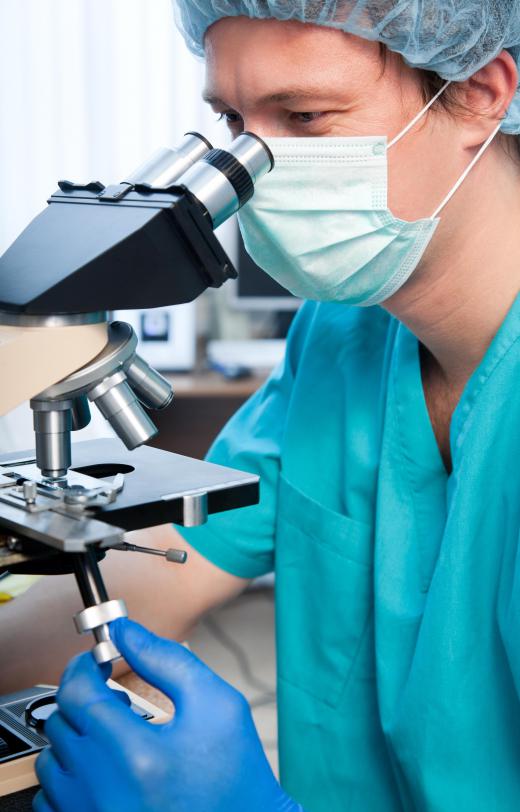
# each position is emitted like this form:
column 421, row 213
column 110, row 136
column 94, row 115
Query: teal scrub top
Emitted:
column 397, row 586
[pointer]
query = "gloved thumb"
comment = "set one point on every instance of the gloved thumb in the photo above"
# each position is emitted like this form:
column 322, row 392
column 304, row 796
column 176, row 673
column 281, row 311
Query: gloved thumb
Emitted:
column 162, row 663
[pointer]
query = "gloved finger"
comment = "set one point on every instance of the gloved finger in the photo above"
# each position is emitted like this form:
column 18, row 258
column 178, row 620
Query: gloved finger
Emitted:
column 41, row 804
column 165, row 664
column 106, row 670
column 122, row 696
column 63, row 738
column 83, row 686
column 55, row 783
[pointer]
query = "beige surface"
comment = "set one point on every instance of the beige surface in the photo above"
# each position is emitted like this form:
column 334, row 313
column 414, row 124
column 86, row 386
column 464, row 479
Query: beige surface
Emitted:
column 17, row 775
column 33, row 358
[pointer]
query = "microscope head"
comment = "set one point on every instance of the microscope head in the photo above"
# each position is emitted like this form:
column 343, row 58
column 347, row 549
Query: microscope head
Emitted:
column 143, row 243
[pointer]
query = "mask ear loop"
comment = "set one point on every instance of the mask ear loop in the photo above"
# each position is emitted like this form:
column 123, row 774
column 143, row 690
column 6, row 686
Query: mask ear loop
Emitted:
column 466, row 172
column 418, row 117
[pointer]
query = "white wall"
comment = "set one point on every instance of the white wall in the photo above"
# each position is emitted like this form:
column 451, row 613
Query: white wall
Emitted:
column 88, row 89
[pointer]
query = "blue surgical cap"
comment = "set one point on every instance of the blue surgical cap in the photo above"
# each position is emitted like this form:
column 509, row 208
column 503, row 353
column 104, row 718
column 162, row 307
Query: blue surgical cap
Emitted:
column 453, row 38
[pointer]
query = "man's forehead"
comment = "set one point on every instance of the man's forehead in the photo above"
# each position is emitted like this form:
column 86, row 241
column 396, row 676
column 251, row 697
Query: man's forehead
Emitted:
column 277, row 95
column 263, row 67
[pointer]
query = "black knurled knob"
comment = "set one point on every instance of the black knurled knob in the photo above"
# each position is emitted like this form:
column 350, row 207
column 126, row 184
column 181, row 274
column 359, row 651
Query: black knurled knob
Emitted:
column 234, row 171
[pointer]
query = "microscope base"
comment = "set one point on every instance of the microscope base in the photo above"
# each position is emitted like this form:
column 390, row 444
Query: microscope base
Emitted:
column 18, row 782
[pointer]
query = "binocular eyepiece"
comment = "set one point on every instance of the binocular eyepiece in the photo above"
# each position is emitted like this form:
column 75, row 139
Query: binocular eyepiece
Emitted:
column 220, row 180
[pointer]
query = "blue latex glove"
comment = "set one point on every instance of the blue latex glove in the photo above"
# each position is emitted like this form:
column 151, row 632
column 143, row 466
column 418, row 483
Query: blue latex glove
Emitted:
column 104, row 758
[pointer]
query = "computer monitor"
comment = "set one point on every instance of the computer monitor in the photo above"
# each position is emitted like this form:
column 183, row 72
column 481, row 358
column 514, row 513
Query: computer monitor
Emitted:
column 255, row 289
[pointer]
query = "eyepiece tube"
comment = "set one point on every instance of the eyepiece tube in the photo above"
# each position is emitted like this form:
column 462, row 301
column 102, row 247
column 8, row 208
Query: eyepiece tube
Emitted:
column 225, row 179
column 166, row 165
column 252, row 152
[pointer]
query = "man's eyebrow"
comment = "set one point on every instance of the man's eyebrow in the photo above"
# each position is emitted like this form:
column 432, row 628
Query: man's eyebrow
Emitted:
column 290, row 94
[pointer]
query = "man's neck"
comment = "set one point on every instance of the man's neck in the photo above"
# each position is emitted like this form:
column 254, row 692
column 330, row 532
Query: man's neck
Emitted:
column 457, row 300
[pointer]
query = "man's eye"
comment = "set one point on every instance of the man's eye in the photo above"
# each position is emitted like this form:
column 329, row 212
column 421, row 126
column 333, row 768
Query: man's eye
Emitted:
column 305, row 118
column 229, row 117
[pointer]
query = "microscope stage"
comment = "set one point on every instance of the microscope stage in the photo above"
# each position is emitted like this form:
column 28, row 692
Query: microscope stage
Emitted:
column 159, row 487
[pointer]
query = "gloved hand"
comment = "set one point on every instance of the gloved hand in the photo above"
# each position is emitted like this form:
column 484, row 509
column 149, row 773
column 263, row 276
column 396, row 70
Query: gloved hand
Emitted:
column 104, row 758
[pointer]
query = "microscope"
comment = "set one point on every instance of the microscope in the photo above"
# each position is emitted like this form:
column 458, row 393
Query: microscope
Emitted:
column 145, row 242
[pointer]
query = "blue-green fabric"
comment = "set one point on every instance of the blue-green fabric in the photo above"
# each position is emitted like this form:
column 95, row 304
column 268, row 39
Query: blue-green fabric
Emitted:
column 397, row 587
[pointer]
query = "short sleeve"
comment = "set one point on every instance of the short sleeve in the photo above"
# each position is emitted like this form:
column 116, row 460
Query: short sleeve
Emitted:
column 242, row 541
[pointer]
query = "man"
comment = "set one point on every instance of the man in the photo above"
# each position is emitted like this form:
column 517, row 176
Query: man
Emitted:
column 387, row 443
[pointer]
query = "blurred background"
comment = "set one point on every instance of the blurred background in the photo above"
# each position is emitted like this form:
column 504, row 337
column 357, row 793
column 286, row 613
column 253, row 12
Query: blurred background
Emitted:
column 88, row 90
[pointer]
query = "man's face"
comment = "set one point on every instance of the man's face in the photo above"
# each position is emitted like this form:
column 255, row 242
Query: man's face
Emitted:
column 286, row 78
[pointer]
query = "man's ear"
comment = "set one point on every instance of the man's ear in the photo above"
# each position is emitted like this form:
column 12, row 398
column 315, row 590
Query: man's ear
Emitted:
column 486, row 96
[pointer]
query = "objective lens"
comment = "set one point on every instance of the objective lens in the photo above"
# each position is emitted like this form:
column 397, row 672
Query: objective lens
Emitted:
column 166, row 165
column 80, row 413
column 225, row 179
column 118, row 404
column 151, row 388
column 52, row 426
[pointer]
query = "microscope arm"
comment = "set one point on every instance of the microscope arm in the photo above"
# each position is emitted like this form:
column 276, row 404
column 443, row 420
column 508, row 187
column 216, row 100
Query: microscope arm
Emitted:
column 34, row 358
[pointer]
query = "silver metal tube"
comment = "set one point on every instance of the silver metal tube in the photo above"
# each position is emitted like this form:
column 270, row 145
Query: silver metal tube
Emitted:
column 195, row 509
column 118, row 404
column 80, row 413
column 211, row 187
column 99, row 610
column 253, row 154
column 224, row 179
column 166, row 165
column 151, row 388
column 52, row 426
